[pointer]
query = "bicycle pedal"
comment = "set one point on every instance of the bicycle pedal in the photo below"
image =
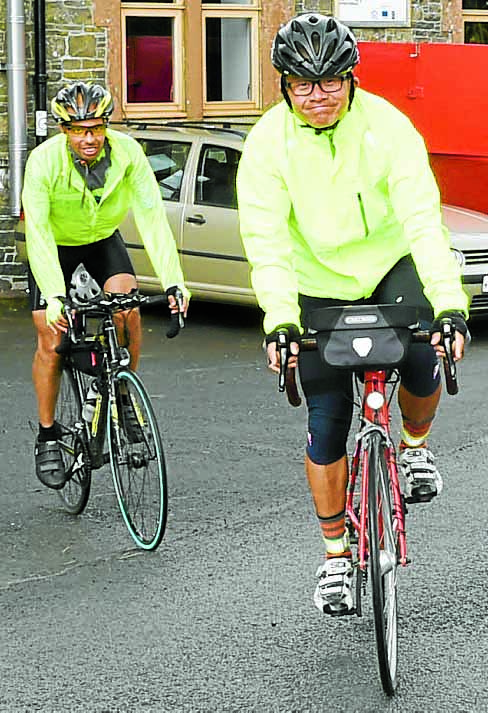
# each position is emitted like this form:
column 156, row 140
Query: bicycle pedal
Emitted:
column 339, row 612
column 419, row 498
column 342, row 612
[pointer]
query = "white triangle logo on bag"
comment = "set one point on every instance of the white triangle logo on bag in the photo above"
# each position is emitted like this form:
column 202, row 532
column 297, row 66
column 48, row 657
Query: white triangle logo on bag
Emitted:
column 362, row 345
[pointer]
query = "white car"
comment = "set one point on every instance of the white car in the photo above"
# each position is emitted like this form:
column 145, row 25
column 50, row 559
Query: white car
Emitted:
column 469, row 239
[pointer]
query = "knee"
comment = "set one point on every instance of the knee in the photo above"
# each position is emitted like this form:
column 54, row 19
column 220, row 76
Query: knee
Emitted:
column 46, row 351
column 327, row 440
column 128, row 326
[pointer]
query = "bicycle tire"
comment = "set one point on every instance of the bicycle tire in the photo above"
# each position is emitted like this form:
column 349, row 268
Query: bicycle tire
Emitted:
column 383, row 562
column 137, row 462
column 76, row 491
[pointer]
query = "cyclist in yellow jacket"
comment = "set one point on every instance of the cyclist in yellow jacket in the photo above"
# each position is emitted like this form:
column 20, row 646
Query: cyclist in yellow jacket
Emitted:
column 338, row 205
column 78, row 187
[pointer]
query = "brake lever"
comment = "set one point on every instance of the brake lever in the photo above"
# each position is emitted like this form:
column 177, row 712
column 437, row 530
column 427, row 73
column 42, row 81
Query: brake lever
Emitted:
column 450, row 370
column 177, row 320
column 282, row 345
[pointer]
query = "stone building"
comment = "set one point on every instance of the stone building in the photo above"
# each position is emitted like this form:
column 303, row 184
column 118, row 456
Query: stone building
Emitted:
column 213, row 57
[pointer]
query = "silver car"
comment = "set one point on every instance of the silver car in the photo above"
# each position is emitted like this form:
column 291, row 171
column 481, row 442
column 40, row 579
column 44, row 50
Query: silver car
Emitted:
column 195, row 168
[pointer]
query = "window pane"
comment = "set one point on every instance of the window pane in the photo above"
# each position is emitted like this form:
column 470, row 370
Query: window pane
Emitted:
column 475, row 5
column 216, row 177
column 228, row 59
column 168, row 160
column 476, row 33
column 228, row 2
column 149, row 59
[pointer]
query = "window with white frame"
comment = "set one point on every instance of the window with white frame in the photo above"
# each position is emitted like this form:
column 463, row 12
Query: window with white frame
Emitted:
column 154, row 44
column 152, row 59
column 230, row 56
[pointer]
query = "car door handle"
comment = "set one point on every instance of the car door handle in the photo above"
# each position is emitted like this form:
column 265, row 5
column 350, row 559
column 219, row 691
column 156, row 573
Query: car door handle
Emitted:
column 198, row 219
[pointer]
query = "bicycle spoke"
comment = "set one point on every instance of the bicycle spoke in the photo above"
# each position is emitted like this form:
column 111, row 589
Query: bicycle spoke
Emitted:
column 74, row 495
column 137, row 459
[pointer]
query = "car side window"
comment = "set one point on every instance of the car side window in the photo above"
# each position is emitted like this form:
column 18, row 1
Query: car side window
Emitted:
column 216, row 176
column 168, row 160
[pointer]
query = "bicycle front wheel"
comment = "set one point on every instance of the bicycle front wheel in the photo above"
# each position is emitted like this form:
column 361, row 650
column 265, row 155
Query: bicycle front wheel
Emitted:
column 383, row 563
column 74, row 495
column 137, row 460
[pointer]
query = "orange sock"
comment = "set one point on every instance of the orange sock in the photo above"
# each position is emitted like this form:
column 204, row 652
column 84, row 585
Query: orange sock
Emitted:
column 335, row 535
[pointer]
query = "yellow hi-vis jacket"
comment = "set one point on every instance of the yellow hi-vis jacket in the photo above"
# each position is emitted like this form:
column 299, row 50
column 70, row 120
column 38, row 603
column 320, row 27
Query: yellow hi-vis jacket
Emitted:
column 61, row 210
column 329, row 214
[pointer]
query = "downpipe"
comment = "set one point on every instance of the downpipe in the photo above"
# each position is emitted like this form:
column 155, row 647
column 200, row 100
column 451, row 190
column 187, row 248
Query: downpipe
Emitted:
column 17, row 103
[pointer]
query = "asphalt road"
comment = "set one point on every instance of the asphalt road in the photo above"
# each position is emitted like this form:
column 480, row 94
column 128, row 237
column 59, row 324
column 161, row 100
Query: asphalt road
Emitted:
column 220, row 618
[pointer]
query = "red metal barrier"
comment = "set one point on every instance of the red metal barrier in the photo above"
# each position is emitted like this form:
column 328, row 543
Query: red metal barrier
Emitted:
column 443, row 88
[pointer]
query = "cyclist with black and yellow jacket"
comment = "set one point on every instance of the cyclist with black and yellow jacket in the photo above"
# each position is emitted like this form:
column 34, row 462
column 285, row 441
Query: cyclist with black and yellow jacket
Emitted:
column 78, row 188
column 338, row 205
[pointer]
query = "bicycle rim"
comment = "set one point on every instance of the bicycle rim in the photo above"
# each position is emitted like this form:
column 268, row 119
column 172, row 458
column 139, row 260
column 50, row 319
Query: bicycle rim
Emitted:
column 137, row 461
column 383, row 564
column 74, row 495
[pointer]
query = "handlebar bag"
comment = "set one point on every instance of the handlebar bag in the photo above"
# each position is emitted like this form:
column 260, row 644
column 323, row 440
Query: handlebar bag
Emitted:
column 363, row 337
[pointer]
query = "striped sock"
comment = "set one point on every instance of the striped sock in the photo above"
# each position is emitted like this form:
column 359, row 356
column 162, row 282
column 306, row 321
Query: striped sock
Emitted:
column 413, row 435
column 335, row 535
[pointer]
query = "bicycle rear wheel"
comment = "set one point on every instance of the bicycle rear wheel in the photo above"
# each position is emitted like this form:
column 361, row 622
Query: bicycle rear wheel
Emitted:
column 74, row 495
column 137, row 460
column 383, row 562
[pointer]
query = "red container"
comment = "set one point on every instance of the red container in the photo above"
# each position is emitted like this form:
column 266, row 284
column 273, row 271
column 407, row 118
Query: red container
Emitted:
column 443, row 88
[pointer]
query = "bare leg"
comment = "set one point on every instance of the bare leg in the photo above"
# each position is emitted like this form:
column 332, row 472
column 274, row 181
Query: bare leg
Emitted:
column 46, row 369
column 328, row 486
column 417, row 413
column 128, row 323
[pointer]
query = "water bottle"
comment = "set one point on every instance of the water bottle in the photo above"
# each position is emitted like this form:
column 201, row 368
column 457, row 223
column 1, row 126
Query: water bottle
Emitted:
column 90, row 403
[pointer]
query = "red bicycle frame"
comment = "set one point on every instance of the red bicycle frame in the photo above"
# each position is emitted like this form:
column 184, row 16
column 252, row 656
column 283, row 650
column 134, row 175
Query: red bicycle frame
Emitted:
column 375, row 417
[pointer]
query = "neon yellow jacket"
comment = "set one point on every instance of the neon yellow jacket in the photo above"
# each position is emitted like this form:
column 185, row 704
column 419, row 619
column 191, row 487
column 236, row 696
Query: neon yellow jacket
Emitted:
column 329, row 214
column 57, row 212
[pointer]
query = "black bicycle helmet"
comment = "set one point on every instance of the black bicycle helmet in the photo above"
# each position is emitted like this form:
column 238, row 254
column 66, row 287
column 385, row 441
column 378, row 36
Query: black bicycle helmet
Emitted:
column 312, row 45
column 81, row 101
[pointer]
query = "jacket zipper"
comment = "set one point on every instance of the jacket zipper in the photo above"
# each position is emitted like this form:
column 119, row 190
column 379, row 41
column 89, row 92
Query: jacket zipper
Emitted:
column 363, row 215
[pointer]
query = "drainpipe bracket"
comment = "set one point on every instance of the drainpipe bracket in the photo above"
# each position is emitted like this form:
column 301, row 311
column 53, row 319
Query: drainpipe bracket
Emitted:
column 4, row 182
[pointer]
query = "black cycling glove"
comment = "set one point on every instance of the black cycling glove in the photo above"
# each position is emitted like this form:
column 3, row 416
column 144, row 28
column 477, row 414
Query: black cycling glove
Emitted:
column 291, row 329
column 457, row 319
column 172, row 291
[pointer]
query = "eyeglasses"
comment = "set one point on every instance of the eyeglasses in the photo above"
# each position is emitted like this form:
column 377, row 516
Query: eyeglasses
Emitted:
column 304, row 87
column 78, row 131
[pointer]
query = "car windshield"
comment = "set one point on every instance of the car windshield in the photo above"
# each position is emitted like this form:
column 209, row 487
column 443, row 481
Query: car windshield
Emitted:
column 168, row 159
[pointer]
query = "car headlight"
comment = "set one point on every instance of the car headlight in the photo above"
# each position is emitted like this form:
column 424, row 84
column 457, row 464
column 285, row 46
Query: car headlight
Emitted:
column 459, row 257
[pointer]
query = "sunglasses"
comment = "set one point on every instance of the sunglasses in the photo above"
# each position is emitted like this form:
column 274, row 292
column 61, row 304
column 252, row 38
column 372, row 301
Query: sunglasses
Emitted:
column 98, row 130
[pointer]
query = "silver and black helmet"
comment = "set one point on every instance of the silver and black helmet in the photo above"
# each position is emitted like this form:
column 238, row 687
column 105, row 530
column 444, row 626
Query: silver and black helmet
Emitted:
column 81, row 101
column 312, row 45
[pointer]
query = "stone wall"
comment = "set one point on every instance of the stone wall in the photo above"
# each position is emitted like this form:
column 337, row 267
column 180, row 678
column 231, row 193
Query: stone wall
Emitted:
column 428, row 22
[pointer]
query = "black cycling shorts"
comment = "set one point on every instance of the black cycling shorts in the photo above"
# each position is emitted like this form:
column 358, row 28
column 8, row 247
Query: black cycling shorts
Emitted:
column 329, row 391
column 103, row 259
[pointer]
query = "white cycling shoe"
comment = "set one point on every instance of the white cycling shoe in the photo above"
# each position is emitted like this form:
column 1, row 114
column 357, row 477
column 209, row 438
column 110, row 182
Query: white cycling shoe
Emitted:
column 333, row 594
column 422, row 479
